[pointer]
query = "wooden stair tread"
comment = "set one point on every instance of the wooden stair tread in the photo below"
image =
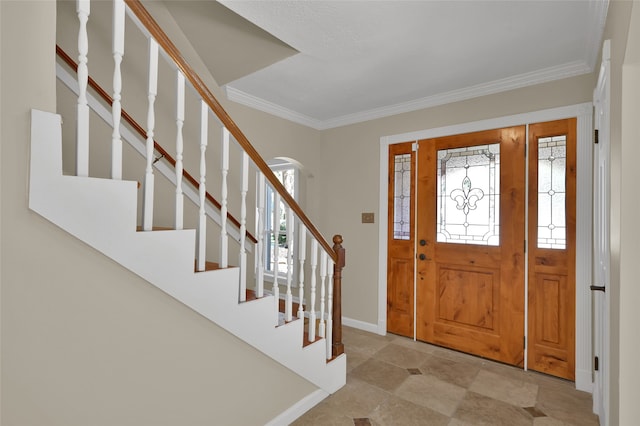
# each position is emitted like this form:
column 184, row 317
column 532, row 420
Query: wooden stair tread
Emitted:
column 306, row 341
column 155, row 228
column 208, row 266
column 251, row 295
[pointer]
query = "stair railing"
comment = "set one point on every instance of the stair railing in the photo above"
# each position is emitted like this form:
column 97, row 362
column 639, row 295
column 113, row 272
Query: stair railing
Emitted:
column 158, row 148
column 325, row 261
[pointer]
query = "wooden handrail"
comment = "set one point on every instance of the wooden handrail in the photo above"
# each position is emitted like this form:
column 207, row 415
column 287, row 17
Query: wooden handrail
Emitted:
column 163, row 40
column 138, row 128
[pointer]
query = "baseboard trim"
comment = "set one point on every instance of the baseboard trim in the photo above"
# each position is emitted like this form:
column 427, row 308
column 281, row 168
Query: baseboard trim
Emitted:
column 289, row 415
column 583, row 381
column 361, row 325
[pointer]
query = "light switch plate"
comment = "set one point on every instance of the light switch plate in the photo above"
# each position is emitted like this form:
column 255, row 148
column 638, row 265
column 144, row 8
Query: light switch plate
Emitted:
column 368, row 218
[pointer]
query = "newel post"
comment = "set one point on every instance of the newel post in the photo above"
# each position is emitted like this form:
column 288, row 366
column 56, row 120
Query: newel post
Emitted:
column 337, row 345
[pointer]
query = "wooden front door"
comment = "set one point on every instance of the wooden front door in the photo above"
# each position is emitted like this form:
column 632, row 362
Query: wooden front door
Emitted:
column 551, row 247
column 470, row 250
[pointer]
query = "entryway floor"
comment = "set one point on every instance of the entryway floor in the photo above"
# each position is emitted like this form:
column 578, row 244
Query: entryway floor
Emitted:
column 392, row 380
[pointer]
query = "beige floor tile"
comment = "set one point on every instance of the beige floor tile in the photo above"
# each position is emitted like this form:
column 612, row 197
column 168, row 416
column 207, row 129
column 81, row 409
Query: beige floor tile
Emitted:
column 373, row 336
column 414, row 344
column 551, row 382
column 547, row 421
column 354, row 359
column 506, row 389
column 480, row 410
column 568, row 405
column 457, row 356
column 364, row 344
column 510, row 371
column 381, row 374
column 401, row 356
column 357, row 398
column 456, row 372
column 377, row 367
column 458, row 422
column 398, row 412
column 323, row 414
column 431, row 392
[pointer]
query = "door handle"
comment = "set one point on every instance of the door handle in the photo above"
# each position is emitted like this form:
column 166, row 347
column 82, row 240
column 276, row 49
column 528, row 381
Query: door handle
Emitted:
column 597, row 288
column 423, row 256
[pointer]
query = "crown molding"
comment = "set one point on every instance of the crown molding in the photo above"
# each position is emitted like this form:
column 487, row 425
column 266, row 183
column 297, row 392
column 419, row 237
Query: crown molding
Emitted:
column 263, row 105
column 545, row 75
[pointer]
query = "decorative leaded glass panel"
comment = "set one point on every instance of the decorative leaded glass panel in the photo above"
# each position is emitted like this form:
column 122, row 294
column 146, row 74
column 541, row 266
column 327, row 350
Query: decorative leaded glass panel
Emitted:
column 468, row 195
column 402, row 197
column 552, row 166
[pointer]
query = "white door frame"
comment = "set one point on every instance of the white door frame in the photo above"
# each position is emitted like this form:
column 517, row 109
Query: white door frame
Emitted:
column 584, row 114
column 601, row 248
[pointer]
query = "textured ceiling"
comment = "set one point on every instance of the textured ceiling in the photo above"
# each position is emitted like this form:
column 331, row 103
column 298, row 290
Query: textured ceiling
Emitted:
column 359, row 60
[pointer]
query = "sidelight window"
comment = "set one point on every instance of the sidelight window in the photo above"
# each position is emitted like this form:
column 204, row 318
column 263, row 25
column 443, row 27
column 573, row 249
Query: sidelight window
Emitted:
column 402, row 197
column 552, row 167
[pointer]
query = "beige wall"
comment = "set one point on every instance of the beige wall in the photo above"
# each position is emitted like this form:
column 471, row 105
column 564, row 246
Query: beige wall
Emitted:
column 630, row 236
column 83, row 340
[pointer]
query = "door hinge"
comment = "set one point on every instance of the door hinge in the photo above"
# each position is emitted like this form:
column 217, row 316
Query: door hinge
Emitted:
column 595, row 136
column 596, row 363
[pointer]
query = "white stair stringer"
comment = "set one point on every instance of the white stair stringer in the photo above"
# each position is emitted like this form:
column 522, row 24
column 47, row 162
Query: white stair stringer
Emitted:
column 102, row 213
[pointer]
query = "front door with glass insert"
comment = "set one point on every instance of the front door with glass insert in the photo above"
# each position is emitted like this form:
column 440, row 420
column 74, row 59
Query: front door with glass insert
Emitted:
column 466, row 240
column 470, row 264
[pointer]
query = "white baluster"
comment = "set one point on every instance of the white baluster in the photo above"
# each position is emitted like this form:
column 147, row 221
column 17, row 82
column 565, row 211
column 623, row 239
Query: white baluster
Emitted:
column 82, row 139
column 288, row 304
column 224, row 238
column 302, row 250
column 201, row 235
column 179, row 219
column 243, row 226
column 260, row 218
column 147, row 204
column 329, row 339
column 118, row 52
column 312, row 291
column 323, row 284
column 276, row 249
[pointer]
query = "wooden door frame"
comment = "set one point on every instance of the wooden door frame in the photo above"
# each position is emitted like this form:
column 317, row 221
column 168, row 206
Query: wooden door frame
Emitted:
column 584, row 114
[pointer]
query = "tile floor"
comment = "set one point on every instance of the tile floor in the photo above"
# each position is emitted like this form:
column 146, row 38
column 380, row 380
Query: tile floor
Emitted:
column 392, row 380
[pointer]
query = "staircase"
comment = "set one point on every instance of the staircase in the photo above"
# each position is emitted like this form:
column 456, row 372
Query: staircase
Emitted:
column 103, row 214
